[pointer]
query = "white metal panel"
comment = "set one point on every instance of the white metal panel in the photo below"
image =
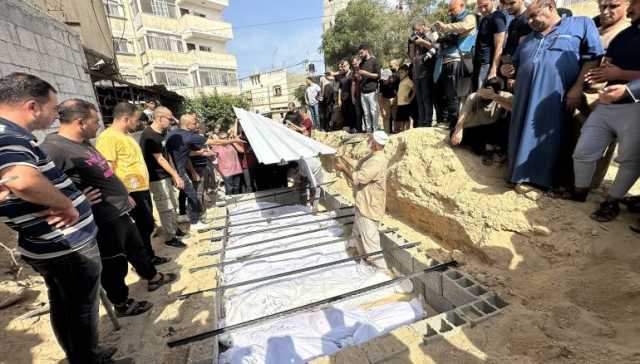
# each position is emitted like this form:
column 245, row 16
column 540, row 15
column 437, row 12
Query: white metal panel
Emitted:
column 273, row 142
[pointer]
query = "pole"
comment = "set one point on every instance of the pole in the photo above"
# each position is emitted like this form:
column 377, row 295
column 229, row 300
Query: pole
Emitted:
column 270, row 219
column 301, row 270
column 313, row 305
column 272, row 254
column 278, row 227
column 215, row 252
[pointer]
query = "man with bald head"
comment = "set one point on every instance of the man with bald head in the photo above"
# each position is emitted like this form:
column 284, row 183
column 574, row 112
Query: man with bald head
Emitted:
column 549, row 65
column 161, row 173
column 180, row 143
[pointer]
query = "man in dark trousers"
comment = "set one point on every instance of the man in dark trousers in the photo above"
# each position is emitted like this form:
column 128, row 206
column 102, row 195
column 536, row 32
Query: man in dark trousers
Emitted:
column 53, row 219
column 118, row 237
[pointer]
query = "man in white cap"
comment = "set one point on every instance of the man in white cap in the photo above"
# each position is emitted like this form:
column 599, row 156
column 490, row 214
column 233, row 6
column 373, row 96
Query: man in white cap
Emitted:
column 369, row 178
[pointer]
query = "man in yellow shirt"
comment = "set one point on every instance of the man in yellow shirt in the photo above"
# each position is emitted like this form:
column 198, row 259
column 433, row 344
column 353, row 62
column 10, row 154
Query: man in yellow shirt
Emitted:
column 369, row 178
column 125, row 157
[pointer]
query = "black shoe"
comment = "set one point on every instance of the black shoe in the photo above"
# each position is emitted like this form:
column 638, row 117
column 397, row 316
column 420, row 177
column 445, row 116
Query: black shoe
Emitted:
column 607, row 211
column 632, row 203
column 175, row 242
column 159, row 260
column 106, row 352
column 132, row 308
column 180, row 233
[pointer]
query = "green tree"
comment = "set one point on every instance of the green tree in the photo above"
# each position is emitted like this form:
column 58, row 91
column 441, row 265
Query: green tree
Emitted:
column 370, row 22
column 299, row 94
column 385, row 30
column 215, row 109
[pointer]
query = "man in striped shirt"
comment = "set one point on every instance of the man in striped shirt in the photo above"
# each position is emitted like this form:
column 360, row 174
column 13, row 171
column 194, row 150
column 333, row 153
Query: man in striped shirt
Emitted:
column 56, row 231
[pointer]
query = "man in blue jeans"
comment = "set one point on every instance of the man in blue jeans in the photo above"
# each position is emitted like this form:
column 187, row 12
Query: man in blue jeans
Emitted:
column 56, row 231
column 312, row 96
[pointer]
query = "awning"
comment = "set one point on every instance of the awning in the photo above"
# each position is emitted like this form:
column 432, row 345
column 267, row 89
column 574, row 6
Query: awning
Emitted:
column 273, row 143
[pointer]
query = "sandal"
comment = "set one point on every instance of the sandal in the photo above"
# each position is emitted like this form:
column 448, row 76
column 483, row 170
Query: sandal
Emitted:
column 159, row 260
column 607, row 211
column 165, row 278
column 132, row 308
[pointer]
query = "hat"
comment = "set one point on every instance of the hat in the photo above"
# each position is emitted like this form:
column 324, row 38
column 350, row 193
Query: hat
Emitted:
column 380, row 137
column 364, row 46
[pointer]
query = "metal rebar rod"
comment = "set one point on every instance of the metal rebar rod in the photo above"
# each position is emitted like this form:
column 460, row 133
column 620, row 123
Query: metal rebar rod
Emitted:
column 270, row 219
column 215, row 252
column 279, row 227
column 280, row 252
column 297, row 271
column 288, row 190
column 313, row 305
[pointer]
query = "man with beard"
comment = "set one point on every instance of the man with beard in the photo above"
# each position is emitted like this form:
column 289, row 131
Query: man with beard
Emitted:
column 551, row 63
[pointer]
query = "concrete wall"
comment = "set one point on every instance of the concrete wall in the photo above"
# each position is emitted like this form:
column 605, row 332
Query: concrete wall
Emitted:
column 33, row 42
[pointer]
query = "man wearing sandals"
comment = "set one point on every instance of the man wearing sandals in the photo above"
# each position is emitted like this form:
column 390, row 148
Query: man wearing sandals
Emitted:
column 118, row 237
column 56, row 230
column 616, row 118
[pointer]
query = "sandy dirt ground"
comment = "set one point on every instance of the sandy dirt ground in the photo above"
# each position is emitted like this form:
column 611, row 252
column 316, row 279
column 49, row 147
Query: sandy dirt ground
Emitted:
column 573, row 284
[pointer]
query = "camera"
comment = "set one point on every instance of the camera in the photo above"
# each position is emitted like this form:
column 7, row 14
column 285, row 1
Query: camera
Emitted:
column 431, row 37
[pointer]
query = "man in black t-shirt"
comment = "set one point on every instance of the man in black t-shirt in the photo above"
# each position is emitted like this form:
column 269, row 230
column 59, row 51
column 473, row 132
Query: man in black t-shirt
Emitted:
column 369, row 70
column 117, row 236
column 292, row 115
column 161, row 173
column 489, row 42
column 344, row 96
column 518, row 28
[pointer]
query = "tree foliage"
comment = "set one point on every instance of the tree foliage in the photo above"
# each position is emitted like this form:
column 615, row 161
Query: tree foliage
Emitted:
column 299, row 94
column 386, row 30
column 214, row 109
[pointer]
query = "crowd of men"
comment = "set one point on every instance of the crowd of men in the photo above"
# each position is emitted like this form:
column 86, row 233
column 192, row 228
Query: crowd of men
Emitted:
column 551, row 94
column 84, row 211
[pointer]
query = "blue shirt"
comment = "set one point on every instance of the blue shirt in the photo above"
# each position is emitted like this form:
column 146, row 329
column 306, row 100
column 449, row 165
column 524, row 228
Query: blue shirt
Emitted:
column 36, row 238
column 180, row 143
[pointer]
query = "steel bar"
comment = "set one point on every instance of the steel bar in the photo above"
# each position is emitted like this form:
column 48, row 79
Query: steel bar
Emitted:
column 269, row 219
column 288, row 190
column 297, row 271
column 313, row 305
column 278, row 227
column 280, row 252
column 215, row 252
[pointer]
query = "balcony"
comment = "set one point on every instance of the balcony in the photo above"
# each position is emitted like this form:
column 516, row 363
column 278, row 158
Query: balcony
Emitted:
column 189, row 26
column 197, row 27
column 215, row 4
column 191, row 59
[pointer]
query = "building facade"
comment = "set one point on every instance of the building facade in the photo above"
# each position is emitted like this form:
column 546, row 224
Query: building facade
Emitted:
column 269, row 93
column 177, row 43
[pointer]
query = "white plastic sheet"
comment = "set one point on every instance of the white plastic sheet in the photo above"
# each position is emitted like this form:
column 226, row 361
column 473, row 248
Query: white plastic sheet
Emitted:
column 304, row 336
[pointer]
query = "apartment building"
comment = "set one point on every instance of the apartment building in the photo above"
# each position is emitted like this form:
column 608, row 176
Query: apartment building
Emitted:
column 177, row 43
column 270, row 92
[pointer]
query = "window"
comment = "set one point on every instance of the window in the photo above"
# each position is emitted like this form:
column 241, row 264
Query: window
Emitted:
column 121, row 45
column 172, row 78
column 164, row 8
column 200, row 15
column 184, row 11
column 205, row 48
column 113, row 8
column 255, row 80
column 141, row 44
column 217, row 77
column 194, row 78
column 164, row 42
column 191, row 47
column 277, row 91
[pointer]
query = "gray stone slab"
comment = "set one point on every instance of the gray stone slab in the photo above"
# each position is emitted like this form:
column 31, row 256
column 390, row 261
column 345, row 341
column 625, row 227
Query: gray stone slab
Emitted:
column 27, row 38
column 7, row 31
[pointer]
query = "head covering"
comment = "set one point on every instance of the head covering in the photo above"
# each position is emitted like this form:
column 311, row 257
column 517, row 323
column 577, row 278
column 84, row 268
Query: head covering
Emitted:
column 380, row 137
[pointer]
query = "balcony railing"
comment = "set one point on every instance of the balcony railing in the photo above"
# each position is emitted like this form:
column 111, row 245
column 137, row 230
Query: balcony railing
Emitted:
column 199, row 27
column 217, row 4
column 156, row 57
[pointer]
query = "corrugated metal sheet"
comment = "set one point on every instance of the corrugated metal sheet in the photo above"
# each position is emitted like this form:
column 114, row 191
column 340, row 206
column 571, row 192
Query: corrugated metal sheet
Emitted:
column 273, row 143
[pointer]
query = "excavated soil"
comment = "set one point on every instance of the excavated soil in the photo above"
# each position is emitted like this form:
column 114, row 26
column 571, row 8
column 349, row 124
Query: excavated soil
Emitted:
column 573, row 284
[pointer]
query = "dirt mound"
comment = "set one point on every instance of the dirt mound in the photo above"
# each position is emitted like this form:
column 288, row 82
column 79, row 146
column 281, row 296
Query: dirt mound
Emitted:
column 574, row 284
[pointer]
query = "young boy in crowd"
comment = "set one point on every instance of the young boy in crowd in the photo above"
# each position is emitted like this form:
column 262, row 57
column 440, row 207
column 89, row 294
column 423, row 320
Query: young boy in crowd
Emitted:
column 406, row 93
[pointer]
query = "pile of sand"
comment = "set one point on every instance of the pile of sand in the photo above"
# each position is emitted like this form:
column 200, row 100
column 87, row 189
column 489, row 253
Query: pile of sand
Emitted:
column 573, row 284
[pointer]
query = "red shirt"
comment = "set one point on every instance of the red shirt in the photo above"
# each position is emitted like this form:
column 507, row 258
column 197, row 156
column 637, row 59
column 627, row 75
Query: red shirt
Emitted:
column 307, row 124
